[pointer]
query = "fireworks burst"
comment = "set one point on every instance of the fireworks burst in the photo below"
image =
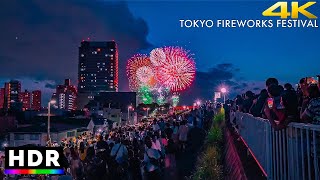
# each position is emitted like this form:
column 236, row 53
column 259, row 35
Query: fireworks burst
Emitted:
column 157, row 56
column 175, row 100
column 144, row 94
column 177, row 71
column 139, row 71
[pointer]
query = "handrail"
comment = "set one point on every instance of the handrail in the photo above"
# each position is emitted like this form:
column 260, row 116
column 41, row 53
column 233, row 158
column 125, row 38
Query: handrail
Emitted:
column 291, row 153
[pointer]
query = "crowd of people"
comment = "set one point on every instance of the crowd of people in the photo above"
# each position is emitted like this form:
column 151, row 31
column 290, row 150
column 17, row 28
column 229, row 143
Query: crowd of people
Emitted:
column 146, row 150
column 284, row 104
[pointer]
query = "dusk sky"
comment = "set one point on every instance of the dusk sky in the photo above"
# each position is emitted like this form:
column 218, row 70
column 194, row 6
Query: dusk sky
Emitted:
column 40, row 39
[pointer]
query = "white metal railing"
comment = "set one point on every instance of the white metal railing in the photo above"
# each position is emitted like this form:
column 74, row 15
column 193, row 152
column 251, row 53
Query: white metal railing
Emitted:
column 291, row 153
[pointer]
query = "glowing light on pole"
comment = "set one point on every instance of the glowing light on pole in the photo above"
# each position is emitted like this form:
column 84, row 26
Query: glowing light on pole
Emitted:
column 224, row 91
column 49, row 114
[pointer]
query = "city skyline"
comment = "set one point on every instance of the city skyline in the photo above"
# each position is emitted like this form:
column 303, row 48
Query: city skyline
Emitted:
column 237, row 57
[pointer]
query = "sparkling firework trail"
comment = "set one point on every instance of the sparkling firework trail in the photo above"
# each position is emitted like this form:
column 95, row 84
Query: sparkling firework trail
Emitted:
column 178, row 70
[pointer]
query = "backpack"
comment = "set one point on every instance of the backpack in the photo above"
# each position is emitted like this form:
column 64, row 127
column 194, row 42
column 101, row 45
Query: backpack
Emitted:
column 112, row 161
column 153, row 161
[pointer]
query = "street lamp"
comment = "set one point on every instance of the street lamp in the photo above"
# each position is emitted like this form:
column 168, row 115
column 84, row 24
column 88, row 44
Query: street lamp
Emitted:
column 198, row 103
column 129, row 107
column 49, row 103
column 148, row 112
column 223, row 91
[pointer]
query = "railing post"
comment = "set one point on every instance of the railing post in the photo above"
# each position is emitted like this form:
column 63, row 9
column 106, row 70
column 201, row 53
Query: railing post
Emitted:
column 269, row 150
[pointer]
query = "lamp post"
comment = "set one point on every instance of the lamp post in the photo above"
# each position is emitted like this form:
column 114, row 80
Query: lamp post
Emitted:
column 148, row 112
column 198, row 103
column 223, row 91
column 49, row 138
column 129, row 107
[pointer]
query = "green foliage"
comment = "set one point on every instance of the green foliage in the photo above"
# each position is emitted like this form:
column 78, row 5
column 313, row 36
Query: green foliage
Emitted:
column 219, row 117
column 209, row 166
column 214, row 135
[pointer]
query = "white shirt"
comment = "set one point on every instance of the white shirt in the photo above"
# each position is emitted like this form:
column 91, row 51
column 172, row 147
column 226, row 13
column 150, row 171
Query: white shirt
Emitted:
column 156, row 145
column 122, row 153
column 152, row 153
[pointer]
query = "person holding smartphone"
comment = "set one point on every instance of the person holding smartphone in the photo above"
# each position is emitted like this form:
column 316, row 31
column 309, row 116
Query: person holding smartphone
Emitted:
column 288, row 114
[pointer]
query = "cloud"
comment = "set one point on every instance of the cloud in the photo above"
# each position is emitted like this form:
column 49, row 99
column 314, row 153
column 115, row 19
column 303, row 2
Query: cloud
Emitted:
column 40, row 38
column 220, row 75
column 50, row 86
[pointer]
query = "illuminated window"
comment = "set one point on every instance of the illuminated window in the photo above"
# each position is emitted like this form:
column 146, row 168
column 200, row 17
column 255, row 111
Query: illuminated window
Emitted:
column 111, row 86
column 111, row 49
column 82, row 55
column 103, row 63
column 111, row 55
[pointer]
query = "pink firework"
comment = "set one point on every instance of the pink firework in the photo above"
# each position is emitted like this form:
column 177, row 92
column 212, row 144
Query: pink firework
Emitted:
column 157, row 56
column 136, row 66
column 178, row 70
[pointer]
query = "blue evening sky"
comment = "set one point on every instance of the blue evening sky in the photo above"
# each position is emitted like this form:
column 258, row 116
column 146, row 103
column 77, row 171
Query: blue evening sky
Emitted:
column 287, row 54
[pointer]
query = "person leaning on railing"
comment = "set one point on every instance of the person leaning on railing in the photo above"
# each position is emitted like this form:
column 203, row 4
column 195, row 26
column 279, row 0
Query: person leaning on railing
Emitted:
column 286, row 115
column 310, row 111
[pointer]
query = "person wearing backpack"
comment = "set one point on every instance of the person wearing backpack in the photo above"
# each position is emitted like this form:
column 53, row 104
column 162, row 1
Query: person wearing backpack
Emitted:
column 151, row 161
column 118, row 158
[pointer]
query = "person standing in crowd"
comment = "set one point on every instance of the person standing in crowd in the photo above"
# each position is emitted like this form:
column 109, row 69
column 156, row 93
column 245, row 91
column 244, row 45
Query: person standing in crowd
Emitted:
column 151, row 161
column 258, row 104
column 286, row 115
column 119, row 155
column 247, row 103
column 183, row 135
column 311, row 113
column 195, row 135
column 76, row 165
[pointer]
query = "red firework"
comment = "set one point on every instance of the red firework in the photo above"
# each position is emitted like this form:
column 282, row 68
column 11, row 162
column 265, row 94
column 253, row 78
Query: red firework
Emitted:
column 177, row 71
column 139, row 68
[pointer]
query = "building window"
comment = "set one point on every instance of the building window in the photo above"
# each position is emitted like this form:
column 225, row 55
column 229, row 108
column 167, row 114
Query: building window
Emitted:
column 71, row 134
column 18, row 136
column 112, row 50
column 82, row 55
column 34, row 136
